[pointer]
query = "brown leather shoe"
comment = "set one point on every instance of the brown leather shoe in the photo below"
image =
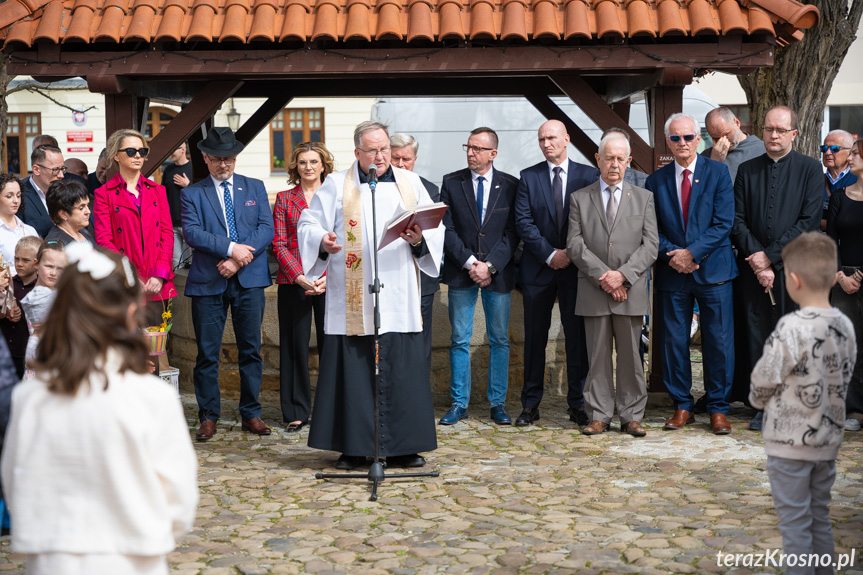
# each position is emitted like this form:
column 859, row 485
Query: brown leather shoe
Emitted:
column 681, row 418
column 719, row 424
column 256, row 426
column 634, row 428
column 594, row 428
column 206, row 431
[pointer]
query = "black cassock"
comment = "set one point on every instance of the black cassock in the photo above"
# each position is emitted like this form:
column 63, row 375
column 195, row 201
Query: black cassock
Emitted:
column 774, row 202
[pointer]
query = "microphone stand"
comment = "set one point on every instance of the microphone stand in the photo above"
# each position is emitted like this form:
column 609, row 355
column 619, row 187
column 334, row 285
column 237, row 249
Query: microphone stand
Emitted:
column 376, row 472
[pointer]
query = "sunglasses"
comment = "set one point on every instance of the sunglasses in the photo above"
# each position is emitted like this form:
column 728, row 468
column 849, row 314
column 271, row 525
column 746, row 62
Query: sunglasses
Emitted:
column 132, row 151
column 686, row 138
column 833, row 149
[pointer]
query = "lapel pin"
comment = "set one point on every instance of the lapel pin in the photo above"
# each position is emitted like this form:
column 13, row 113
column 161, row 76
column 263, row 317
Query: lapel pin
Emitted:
column 696, row 181
column 627, row 194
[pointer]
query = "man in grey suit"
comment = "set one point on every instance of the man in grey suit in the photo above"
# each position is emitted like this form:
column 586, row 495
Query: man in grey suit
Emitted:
column 613, row 240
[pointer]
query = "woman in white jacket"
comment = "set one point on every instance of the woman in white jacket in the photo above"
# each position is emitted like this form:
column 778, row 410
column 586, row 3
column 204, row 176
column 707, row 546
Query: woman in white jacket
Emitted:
column 98, row 468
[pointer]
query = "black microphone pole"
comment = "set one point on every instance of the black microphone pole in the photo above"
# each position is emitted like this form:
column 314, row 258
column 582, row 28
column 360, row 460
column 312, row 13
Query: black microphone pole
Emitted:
column 376, row 472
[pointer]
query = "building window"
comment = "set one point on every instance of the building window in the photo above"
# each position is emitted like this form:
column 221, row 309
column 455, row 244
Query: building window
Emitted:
column 293, row 127
column 848, row 118
column 19, row 138
column 742, row 113
column 157, row 119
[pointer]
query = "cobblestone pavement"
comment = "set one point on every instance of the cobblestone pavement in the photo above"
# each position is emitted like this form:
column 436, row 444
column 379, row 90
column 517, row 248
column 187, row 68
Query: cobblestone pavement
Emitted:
column 540, row 499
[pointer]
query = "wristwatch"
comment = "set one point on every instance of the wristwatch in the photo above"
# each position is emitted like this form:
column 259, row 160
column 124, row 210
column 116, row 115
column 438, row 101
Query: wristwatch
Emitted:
column 491, row 269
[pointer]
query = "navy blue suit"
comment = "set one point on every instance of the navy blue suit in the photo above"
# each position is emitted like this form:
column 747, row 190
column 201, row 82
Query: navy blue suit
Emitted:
column 205, row 230
column 537, row 225
column 34, row 211
column 707, row 236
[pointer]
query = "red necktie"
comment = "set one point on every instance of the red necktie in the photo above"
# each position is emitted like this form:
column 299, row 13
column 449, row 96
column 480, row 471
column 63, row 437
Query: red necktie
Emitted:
column 685, row 190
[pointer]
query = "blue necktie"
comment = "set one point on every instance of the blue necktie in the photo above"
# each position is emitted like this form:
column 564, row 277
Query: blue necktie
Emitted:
column 229, row 213
column 479, row 197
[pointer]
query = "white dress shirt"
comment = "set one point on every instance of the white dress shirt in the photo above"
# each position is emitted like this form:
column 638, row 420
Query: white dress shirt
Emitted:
column 486, row 188
column 9, row 239
column 564, row 165
column 221, row 196
column 39, row 193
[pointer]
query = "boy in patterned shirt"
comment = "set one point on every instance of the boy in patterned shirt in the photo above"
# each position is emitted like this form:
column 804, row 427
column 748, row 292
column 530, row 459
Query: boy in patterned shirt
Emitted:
column 800, row 382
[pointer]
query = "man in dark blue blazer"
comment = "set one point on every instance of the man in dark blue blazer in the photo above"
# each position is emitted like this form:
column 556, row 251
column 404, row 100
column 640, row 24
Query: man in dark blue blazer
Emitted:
column 46, row 162
column 542, row 221
column 227, row 220
column 695, row 212
column 478, row 247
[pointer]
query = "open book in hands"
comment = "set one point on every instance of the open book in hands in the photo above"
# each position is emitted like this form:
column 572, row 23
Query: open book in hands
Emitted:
column 426, row 217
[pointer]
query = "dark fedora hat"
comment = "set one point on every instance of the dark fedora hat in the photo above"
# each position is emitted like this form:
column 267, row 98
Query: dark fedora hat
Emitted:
column 220, row 142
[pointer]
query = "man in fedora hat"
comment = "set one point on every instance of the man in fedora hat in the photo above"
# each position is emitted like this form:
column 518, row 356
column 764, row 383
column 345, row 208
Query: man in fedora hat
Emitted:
column 227, row 220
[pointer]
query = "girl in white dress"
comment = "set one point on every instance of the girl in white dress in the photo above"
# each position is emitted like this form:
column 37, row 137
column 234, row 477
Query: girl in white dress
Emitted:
column 98, row 466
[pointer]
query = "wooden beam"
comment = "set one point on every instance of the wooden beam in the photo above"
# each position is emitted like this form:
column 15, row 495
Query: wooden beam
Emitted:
column 125, row 111
column 199, row 167
column 579, row 139
column 393, row 63
column 622, row 110
column 262, row 117
column 195, row 113
column 661, row 103
column 601, row 113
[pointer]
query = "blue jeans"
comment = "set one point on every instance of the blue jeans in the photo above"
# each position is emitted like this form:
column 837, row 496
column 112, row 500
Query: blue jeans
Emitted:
column 496, row 307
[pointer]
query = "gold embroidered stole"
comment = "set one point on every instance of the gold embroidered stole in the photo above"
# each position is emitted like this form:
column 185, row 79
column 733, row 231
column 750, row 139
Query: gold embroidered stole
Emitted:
column 352, row 210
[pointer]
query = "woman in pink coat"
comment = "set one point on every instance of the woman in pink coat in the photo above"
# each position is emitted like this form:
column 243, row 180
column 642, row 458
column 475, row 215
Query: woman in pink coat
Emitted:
column 132, row 217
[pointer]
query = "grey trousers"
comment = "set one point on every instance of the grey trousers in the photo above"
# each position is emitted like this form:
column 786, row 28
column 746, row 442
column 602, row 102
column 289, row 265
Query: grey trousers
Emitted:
column 801, row 496
column 603, row 333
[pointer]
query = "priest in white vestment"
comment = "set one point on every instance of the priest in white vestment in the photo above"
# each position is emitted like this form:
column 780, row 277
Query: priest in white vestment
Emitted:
column 335, row 235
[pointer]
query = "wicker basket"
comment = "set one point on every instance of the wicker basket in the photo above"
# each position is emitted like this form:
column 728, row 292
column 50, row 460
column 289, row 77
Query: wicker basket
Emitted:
column 158, row 341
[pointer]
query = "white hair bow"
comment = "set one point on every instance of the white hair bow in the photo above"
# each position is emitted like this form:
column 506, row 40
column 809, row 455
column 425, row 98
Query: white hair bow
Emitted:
column 98, row 265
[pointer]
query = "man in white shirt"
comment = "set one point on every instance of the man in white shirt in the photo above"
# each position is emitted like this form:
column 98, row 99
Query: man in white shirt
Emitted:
column 46, row 162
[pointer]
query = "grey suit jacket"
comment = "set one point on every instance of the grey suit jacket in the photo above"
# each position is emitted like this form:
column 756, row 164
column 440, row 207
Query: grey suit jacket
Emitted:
column 630, row 247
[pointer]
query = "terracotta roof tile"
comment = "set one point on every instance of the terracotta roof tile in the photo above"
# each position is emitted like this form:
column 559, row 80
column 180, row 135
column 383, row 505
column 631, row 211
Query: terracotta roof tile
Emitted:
column 50, row 23
column 26, row 21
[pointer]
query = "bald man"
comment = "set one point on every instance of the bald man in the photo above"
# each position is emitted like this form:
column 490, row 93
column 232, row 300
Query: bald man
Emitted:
column 77, row 167
column 547, row 273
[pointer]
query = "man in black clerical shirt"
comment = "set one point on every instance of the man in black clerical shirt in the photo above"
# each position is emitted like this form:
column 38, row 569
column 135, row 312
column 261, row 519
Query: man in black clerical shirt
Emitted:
column 777, row 197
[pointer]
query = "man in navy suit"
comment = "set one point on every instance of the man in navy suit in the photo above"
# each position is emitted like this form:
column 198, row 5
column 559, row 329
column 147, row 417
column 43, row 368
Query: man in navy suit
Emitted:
column 478, row 248
column 695, row 212
column 228, row 222
column 47, row 164
column 542, row 221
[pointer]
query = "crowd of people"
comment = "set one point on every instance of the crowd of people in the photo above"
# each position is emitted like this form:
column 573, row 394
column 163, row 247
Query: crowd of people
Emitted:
column 731, row 232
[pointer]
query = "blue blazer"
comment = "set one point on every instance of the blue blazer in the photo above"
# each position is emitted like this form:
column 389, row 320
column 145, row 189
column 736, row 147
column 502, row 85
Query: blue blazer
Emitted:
column 536, row 219
column 707, row 234
column 205, row 230
column 34, row 213
column 493, row 241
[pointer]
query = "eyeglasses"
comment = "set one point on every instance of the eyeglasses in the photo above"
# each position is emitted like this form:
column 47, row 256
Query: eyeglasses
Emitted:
column 132, row 151
column 686, row 138
column 54, row 171
column 475, row 149
column 780, row 131
column 219, row 161
column 373, row 153
column 833, row 149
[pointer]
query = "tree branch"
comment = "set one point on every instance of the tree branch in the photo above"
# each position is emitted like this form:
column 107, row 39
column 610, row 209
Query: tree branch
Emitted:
column 44, row 95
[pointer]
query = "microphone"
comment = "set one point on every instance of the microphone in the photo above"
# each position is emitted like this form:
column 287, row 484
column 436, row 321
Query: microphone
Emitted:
column 373, row 174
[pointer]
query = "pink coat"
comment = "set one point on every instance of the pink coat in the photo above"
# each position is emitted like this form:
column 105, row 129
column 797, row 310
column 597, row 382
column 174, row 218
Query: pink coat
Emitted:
column 146, row 238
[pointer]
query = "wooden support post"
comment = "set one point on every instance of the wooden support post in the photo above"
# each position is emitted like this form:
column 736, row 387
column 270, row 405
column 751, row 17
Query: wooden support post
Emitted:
column 199, row 167
column 661, row 103
column 190, row 118
column 125, row 111
column 579, row 139
column 262, row 118
column 601, row 113
column 622, row 110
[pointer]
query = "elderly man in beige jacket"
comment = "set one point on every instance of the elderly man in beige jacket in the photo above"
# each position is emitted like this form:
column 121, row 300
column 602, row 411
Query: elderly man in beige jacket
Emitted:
column 613, row 240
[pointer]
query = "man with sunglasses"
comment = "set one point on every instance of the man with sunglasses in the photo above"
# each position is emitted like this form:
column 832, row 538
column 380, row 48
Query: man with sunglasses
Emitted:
column 228, row 221
column 834, row 156
column 777, row 197
column 694, row 211
column 47, row 164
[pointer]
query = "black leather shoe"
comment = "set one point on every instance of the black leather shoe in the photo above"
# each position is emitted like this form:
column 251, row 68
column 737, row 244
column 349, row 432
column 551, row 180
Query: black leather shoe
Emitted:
column 527, row 417
column 500, row 416
column 349, row 461
column 578, row 416
column 411, row 460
